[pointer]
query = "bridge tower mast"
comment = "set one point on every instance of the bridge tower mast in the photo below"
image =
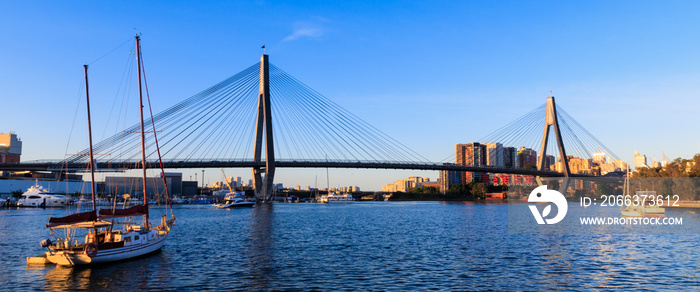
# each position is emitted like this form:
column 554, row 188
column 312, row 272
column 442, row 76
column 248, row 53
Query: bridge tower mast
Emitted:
column 551, row 120
column 263, row 185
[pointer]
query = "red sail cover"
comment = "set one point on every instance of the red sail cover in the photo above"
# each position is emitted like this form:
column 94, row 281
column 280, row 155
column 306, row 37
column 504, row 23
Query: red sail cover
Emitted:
column 135, row 210
column 75, row 218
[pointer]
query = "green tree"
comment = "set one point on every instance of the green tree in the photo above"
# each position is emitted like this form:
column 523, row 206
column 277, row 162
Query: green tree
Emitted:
column 605, row 189
column 459, row 189
column 478, row 190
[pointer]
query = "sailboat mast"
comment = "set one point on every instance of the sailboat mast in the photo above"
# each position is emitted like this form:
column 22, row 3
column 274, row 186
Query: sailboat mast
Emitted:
column 92, row 159
column 143, row 138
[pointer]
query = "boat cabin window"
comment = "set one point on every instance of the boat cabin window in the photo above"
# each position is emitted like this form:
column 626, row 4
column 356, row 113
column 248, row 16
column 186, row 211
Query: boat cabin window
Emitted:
column 127, row 239
column 34, row 197
column 136, row 237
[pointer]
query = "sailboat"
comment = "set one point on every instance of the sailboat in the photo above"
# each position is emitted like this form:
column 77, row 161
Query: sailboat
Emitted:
column 105, row 239
column 643, row 209
column 332, row 197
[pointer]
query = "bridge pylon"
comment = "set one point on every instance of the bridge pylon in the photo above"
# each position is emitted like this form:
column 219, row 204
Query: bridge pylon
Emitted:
column 263, row 185
column 551, row 120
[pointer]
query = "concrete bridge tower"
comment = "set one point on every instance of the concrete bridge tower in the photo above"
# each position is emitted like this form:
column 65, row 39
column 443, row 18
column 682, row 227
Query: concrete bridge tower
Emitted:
column 263, row 185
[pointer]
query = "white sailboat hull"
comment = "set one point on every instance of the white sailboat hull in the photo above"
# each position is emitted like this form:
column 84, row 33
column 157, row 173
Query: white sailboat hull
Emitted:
column 154, row 241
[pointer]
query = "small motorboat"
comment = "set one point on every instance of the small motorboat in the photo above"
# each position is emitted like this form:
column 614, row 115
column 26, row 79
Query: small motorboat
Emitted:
column 235, row 202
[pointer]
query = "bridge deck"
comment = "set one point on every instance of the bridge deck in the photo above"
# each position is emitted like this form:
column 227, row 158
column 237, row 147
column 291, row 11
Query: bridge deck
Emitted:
column 106, row 166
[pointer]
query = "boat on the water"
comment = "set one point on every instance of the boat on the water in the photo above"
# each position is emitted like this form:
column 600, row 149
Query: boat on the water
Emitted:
column 233, row 199
column 651, row 210
column 37, row 196
column 96, row 237
column 644, row 209
column 332, row 197
column 234, row 202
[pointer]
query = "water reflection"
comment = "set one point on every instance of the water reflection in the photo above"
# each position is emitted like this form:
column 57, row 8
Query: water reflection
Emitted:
column 64, row 279
column 143, row 273
column 364, row 246
column 260, row 259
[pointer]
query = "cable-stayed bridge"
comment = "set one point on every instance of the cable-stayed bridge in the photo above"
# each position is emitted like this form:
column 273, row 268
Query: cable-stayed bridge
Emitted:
column 263, row 118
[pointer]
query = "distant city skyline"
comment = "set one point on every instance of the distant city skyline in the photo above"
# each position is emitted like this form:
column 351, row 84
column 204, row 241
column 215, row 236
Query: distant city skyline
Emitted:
column 428, row 74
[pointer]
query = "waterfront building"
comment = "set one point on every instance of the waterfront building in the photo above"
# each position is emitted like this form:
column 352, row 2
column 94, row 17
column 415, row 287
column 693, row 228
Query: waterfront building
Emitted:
column 448, row 178
column 495, row 196
column 606, row 168
column 621, row 164
column 402, row 185
column 599, row 157
column 549, row 161
column 189, row 188
column 500, row 178
column 154, row 185
column 10, row 148
column 509, row 155
column 389, row 188
column 350, row 189
column 527, row 158
column 494, row 154
column 431, row 184
column 578, row 165
column 471, row 154
column 518, row 179
column 640, row 160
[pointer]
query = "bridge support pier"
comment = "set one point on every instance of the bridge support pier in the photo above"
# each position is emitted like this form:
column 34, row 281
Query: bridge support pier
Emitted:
column 551, row 120
column 263, row 185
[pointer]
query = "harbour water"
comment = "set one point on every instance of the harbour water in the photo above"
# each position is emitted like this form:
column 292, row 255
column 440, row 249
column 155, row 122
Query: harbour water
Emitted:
column 361, row 246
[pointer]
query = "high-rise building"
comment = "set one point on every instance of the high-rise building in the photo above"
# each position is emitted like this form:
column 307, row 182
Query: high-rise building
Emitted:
column 527, row 158
column 509, row 155
column 579, row 165
column 10, row 148
column 471, row 154
column 640, row 160
column 448, row 178
column 599, row 157
column 494, row 154
column 549, row 161
column 621, row 164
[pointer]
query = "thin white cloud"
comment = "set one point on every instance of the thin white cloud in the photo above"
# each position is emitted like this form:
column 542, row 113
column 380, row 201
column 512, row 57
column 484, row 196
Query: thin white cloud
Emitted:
column 305, row 30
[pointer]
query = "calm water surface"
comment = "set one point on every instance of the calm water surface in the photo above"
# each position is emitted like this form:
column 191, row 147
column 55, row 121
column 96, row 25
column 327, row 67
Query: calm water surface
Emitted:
column 360, row 246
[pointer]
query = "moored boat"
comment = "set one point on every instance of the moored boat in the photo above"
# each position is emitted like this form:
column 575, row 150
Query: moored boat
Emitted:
column 332, row 197
column 642, row 209
column 94, row 237
column 37, row 196
column 235, row 202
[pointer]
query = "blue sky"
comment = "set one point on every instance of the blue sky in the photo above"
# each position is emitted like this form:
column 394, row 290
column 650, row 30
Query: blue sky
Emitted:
column 428, row 73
